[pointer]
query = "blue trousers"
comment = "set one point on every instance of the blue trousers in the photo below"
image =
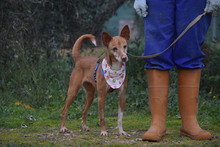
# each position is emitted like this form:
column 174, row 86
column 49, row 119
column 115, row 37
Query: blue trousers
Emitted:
column 165, row 21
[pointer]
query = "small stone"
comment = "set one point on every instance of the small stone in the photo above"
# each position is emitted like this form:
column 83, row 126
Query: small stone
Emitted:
column 215, row 136
column 23, row 126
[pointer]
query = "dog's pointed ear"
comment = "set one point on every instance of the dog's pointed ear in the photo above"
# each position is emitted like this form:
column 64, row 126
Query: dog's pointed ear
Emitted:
column 125, row 32
column 106, row 38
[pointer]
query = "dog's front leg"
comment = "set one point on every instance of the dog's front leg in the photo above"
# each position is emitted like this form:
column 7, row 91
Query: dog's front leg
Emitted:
column 121, row 106
column 101, row 103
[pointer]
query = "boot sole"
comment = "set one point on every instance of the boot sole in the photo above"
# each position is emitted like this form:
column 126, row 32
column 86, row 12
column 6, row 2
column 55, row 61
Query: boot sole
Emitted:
column 154, row 140
column 183, row 133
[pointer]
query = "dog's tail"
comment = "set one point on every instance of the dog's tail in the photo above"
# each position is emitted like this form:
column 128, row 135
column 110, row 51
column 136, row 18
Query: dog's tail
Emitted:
column 77, row 45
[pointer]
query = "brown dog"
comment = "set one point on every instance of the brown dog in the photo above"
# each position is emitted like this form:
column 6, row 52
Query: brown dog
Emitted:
column 91, row 76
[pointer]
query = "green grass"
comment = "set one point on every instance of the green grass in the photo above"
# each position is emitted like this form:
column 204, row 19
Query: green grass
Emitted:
column 45, row 131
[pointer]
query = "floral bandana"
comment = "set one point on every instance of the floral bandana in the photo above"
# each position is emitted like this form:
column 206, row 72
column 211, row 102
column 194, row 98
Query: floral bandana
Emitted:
column 114, row 78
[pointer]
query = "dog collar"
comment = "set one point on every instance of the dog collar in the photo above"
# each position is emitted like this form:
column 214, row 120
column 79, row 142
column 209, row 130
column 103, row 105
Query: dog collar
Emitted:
column 114, row 78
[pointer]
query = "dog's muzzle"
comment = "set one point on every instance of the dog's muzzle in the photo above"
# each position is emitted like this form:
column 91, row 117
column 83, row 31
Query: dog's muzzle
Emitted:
column 124, row 58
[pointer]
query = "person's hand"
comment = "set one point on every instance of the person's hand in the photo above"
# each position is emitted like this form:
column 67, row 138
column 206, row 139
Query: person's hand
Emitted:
column 141, row 7
column 212, row 5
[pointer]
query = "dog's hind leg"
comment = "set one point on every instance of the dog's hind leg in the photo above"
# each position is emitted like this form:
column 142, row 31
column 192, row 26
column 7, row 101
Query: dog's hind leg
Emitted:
column 74, row 86
column 90, row 94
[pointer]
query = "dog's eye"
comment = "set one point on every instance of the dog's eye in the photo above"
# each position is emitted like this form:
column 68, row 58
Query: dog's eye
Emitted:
column 115, row 49
column 125, row 46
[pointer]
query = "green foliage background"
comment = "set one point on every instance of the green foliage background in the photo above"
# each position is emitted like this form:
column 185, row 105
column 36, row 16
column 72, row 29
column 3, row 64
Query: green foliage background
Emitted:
column 43, row 85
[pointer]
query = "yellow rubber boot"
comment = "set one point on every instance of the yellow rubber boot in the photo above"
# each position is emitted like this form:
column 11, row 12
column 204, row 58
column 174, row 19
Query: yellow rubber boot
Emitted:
column 188, row 90
column 158, row 86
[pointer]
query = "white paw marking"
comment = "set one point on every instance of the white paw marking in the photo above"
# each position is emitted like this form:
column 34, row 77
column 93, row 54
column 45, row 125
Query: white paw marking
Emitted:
column 104, row 133
column 64, row 130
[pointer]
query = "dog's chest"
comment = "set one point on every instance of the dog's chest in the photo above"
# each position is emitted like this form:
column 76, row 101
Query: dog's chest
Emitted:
column 116, row 66
column 110, row 90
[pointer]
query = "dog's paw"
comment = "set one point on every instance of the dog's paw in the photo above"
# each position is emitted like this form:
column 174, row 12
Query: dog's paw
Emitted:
column 85, row 128
column 123, row 133
column 64, row 130
column 104, row 133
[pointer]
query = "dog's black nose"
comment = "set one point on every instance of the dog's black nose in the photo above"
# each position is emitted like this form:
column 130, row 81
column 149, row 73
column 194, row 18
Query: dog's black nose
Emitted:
column 124, row 58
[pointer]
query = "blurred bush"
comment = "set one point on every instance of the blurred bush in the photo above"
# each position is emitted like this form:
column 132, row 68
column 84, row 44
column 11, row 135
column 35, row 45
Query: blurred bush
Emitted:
column 36, row 28
column 210, row 79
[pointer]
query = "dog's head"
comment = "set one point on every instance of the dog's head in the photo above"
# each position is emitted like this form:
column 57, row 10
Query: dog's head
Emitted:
column 117, row 46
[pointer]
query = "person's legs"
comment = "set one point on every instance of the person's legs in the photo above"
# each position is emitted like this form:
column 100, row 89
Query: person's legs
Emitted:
column 158, row 85
column 159, row 34
column 187, row 56
column 188, row 90
column 187, row 53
